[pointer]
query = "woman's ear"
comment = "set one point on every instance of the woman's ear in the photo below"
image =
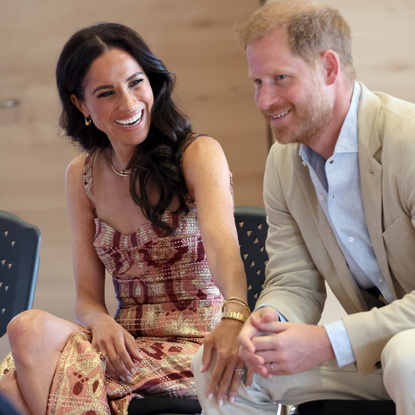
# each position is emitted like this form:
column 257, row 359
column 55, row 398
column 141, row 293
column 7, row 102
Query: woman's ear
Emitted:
column 79, row 104
column 331, row 66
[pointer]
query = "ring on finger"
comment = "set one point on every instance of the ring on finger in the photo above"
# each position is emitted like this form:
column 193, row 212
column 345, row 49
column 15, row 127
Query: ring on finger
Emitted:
column 272, row 367
column 102, row 355
column 239, row 372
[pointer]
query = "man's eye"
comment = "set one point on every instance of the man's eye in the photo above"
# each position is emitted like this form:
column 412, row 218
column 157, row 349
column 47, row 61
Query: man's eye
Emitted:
column 279, row 77
column 257, row 82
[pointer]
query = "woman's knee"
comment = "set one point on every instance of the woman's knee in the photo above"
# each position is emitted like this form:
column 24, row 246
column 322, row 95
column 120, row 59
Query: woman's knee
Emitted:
column 28, row 323
column 36, row 332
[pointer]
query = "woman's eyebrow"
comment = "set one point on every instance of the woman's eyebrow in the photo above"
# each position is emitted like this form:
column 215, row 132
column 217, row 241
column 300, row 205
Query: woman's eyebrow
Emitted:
column 134, row 75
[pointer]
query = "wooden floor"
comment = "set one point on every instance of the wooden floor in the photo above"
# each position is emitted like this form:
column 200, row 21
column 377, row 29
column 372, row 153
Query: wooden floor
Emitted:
column 196, row 40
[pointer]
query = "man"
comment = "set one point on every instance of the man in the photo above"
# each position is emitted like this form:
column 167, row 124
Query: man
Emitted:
column 339, row 193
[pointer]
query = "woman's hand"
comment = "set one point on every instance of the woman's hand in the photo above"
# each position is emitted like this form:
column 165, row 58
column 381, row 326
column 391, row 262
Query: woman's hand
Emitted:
column 224, row 339
column 118, row 346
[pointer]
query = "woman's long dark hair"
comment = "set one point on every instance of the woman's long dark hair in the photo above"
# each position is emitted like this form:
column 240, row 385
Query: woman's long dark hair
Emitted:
column 156, row 160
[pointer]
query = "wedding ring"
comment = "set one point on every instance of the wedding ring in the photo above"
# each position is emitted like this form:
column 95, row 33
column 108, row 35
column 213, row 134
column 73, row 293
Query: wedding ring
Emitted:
column 239, row 372
column 272, row 367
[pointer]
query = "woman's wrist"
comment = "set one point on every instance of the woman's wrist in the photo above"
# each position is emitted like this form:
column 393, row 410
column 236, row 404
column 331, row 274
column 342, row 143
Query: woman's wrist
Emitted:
column 234, row 315
column 98, row 319
column 236, row 304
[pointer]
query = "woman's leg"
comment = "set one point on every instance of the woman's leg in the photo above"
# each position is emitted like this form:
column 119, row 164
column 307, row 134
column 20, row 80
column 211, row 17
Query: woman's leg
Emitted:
column 10, row 389
column 37, row 339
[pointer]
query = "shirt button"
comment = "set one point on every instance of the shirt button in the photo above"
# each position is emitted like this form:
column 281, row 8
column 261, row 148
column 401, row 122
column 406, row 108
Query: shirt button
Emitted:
column 321, row 197
column 350, row 239
column 381, row 279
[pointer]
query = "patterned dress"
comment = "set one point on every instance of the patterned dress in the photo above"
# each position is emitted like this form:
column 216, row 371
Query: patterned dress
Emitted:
column 169, row 308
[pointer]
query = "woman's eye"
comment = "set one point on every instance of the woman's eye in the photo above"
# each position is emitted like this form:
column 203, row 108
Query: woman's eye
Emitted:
column 136, row 82
column 105, row 94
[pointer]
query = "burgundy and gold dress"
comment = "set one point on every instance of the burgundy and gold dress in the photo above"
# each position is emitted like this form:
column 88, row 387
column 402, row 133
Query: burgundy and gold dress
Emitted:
column 169, row 308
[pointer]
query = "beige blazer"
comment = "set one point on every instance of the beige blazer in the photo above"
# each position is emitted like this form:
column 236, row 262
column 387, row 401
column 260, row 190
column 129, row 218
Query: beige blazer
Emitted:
column 304, row 252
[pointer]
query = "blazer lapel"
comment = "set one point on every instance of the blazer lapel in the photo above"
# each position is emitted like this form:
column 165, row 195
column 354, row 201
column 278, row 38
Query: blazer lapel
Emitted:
column 370, row 148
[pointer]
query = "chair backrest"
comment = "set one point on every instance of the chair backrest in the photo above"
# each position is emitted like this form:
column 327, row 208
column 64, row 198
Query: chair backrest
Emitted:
column 252, row 230
column 19, row 261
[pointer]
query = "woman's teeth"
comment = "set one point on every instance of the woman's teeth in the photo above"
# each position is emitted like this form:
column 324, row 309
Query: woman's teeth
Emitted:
column 130, row 122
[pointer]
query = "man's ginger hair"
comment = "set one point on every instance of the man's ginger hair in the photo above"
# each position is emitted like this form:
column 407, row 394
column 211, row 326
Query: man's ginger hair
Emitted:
column 311, row 28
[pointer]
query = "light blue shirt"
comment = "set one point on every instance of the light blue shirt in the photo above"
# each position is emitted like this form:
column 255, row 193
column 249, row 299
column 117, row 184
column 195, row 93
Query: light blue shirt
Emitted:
column 338, row 188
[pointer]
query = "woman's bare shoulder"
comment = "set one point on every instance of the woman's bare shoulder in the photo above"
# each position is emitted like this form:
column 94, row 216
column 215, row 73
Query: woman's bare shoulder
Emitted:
column 200, row 146
column 76, row 166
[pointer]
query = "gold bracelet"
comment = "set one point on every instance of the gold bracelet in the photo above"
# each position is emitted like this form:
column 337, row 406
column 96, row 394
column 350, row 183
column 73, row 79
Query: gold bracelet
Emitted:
column 234, row 315
column 237, row 300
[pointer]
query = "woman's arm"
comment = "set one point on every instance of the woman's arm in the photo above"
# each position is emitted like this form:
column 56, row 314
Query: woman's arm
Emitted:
column 108, row 336
column 207, row 177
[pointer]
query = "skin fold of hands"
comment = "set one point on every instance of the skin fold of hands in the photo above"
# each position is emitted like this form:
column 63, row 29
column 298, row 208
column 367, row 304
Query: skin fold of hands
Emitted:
column 289, row 347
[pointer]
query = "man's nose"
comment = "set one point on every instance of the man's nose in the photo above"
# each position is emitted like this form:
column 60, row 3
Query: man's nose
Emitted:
column 265, row 98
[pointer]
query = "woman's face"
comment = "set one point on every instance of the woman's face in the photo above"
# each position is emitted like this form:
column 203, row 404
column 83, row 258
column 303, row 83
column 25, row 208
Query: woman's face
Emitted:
column 118, row 97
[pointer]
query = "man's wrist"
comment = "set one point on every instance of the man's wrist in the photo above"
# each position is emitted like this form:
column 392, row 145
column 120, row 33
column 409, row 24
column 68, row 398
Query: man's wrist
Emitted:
column 326, row 346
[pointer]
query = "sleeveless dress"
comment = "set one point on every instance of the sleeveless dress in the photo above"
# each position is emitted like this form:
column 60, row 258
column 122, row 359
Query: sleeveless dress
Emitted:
column 169, row 308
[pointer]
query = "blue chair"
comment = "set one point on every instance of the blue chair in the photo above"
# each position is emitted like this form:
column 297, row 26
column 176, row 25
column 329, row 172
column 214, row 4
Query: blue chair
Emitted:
column 19, row 261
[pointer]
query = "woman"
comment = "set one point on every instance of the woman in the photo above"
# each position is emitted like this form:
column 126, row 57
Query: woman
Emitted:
column 132, row 199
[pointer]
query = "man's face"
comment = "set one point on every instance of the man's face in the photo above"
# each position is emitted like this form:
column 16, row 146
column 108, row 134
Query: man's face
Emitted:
column 290, row 93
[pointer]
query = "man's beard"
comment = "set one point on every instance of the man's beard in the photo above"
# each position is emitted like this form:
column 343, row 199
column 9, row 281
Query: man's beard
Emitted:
column 309, row 119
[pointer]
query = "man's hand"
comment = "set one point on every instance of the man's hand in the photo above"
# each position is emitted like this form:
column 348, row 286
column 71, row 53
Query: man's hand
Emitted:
column 277, row 348
column 253, row 329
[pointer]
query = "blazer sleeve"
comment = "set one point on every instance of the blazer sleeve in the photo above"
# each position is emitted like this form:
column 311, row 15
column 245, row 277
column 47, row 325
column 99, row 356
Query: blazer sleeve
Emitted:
column 293, row 285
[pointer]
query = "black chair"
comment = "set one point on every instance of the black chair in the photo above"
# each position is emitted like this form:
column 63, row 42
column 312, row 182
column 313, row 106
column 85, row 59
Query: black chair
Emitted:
column 6, row 408
column 345, row 407
column 164, row 405
column 252, row 231
column 19, row 261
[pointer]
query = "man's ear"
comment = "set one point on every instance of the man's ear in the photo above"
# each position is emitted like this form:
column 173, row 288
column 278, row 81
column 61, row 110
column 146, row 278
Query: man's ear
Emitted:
column 331, row 66
column 79, row 104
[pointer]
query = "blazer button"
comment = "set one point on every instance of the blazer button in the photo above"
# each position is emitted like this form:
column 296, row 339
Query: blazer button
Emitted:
column 378, row 365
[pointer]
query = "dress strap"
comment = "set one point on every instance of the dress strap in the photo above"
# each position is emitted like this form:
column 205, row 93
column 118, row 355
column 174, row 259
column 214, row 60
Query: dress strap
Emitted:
column 191, row 139
column 187, row 143
column 88, row 183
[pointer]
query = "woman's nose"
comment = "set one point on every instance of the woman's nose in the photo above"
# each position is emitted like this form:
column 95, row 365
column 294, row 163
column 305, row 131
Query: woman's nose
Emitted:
column 128, row 101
